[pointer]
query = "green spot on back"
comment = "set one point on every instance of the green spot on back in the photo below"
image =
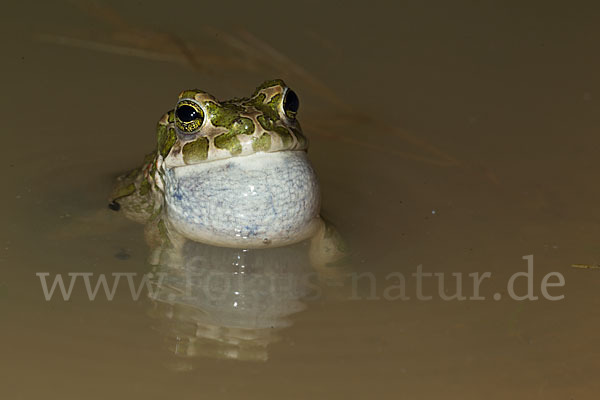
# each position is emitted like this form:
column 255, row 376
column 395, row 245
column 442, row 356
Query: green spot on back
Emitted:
column 270, row 109
column 166, row 138
column 227, row 141
column 273, row 106
column 227, row 115
column 242, row 126
column 266, row 123
column 262, row 143
column 223, row 114
column 268, row 120
column 195, row 151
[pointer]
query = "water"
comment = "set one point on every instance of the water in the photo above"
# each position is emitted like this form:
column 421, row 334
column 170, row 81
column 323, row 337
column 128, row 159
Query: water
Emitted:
column 460, row 137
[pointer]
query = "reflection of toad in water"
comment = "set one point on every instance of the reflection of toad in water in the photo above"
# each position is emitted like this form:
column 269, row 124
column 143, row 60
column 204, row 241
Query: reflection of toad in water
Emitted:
column 231, row 303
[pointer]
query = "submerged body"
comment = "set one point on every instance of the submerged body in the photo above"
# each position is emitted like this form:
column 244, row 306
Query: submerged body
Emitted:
column 232, row 173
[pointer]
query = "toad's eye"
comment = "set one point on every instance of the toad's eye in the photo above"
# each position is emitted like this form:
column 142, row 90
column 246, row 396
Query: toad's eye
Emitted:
column 188, row 116
column 291, row 103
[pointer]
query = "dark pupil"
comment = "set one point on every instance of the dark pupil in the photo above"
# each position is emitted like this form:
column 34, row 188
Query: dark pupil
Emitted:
column 291, row 102
column 187, row 113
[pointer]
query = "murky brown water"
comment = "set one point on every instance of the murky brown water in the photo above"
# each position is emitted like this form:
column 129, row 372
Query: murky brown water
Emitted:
column 460, row 137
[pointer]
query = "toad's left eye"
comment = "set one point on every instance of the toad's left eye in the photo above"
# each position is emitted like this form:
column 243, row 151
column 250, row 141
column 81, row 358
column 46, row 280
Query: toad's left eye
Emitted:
column 291, row 103
column 188, row 116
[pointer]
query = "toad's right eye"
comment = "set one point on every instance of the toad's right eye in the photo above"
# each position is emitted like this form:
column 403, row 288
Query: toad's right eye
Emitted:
column 188, row 116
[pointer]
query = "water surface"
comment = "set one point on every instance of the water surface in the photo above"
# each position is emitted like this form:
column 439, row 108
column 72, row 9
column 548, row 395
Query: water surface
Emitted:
column 459, row 137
